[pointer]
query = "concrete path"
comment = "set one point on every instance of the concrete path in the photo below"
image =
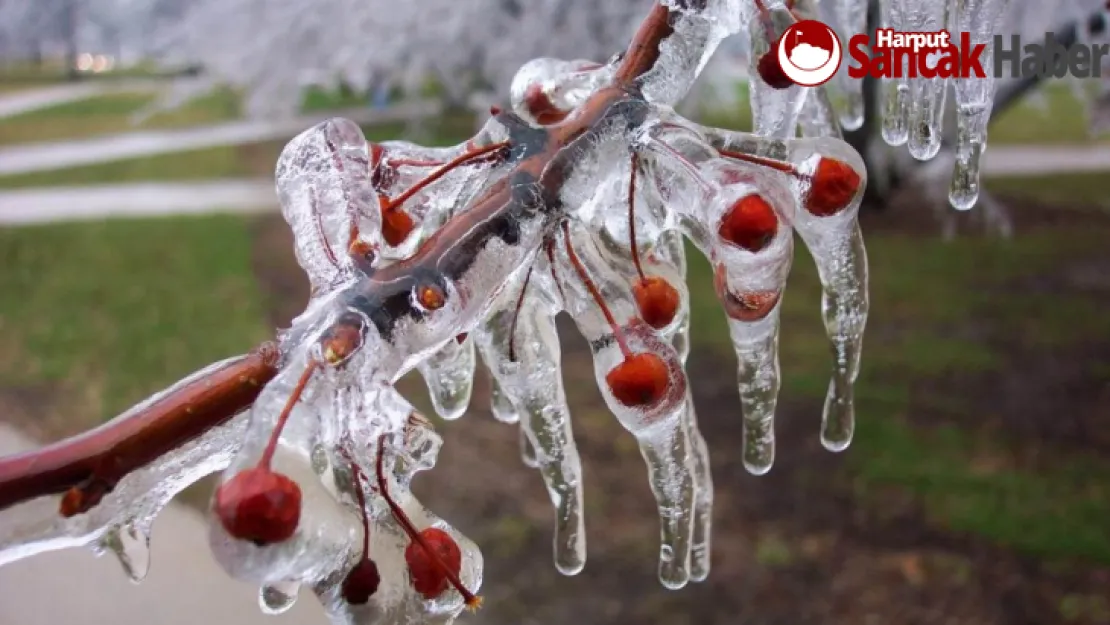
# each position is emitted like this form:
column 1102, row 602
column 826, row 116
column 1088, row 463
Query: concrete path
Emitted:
column 58, row 155
column 185, row 585
column 32, row 206
column 35, row 206
column 33, row 99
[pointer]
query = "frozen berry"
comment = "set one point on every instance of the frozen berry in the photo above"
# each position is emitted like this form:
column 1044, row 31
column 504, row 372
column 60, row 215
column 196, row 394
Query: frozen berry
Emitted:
column 641, row 380
column 428, row 577
column 396, row 226
column 832, row 188
column 657, row 301
column 259, row 505
column 750, row 223
column 362, row 582
column 771, row 71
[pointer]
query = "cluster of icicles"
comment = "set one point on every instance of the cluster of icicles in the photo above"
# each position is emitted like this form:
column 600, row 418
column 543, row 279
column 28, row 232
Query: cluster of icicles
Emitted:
column 913, row 109
column 410, row 269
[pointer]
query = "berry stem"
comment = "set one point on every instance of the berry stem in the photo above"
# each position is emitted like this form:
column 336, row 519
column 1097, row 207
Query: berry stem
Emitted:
column 320, row 231
column 765, row 20
column 383, row 487
column 412, row 162
column 592, row 288
column 358, row 478
column 294, row 397
column 632, row 217
column 516, row 314
column 775, row 164
column 462, row 159
column 550, row 249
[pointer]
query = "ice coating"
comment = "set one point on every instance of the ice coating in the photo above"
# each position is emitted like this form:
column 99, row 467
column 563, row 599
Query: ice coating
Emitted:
column 425, row 258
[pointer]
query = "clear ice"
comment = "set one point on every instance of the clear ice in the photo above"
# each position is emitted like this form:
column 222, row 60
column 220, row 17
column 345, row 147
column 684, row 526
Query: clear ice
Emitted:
column 418, row 261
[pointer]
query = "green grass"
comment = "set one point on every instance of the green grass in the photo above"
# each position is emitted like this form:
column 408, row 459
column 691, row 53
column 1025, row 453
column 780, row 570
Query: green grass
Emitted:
column 112, row 113
column 213, row 163
column 144, row 300
column 941, row 310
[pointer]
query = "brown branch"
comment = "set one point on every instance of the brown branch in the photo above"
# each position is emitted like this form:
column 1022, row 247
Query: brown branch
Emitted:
column 643, row 51
column 88, row 466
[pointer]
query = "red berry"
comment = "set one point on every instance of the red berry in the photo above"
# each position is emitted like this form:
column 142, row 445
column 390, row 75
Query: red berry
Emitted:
column 541, row 107
column 259, row 505
column 396, row 226
column 750, row 223
column 362, row 582
column 657, row 301
column 428, row 578
column 640, row 381
column 833, row 186
column 771, row 71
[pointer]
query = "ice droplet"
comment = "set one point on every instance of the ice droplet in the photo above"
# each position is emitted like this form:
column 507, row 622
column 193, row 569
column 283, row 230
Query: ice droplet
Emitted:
column 527, row 451
column 278, row 597
column 131, row 546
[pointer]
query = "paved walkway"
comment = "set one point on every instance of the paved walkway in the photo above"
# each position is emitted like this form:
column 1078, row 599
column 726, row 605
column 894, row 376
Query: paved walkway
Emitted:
column 35, row 206
column 185, row 585
column 31, row 206
column 33, row 99
column 27, row 158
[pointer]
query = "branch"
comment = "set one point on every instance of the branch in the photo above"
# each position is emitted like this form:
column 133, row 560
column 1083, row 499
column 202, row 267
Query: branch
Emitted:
column 88, row 466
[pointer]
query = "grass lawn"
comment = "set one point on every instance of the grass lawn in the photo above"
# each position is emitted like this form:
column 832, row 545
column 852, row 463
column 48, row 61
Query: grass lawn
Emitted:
column 88, row 314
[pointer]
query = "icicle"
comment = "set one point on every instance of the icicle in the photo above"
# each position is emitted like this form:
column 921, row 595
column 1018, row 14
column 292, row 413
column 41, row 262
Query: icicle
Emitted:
column 927, row 96
column 895, row 14
column 658, row 426
column 449, row 374
column 775, row 108
column 974, row 97
column 852, row 17
column 520, row 347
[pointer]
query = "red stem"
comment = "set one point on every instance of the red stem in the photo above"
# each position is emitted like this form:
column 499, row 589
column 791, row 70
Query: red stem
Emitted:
column 596, row 294
column 442, row 171
column 516, row 314
column 775, row 164
column 294, row 397
column 632, row 218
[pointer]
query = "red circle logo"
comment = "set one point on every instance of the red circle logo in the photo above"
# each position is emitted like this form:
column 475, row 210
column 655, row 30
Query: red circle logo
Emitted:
column 809, row 53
